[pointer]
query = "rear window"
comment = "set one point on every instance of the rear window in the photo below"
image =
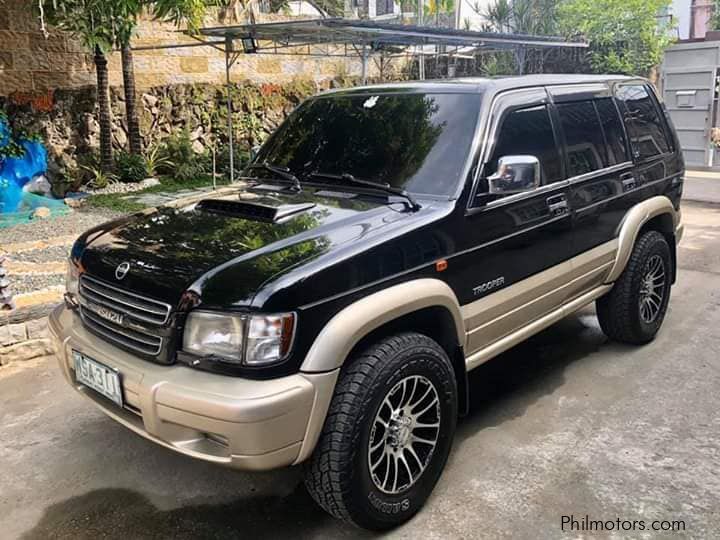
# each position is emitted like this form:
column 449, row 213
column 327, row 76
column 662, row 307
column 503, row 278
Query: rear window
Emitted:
column 645, row 126
column 584, row 140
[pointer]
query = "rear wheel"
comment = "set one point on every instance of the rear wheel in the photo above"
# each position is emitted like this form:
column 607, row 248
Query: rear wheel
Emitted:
column 387, row 434
column 634, row 309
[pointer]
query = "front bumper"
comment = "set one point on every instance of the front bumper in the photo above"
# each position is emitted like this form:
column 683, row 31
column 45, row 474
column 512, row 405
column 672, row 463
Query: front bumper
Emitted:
column 242, row 423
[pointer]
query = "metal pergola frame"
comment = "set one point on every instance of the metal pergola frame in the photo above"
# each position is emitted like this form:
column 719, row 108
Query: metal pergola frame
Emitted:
column 337, row 37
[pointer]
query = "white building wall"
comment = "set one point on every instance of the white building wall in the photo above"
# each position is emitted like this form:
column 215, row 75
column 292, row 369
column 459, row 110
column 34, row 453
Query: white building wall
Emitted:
column 682, row 17
column 466, row 12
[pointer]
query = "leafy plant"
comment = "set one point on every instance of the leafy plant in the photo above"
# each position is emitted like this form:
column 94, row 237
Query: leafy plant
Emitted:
column 155, row 160
column 715, row 17
column 182, row 162
column 98, row 179
column 222, row 160
column 11, row 150
column 624, row 35
column 130, row 168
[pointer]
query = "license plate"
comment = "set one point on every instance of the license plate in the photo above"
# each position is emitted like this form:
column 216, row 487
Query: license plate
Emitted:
column 99, row 377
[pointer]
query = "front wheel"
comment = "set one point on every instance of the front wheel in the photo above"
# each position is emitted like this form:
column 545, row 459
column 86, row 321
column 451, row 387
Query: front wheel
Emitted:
column 634, row 309
column 388, row 433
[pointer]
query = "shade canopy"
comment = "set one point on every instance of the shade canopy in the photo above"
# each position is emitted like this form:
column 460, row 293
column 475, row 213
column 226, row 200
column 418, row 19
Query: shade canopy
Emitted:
column 378, row 35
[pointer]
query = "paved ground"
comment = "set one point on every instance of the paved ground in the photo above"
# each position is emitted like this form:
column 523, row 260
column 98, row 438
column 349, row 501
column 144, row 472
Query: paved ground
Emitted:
column 567, row 423
column 702, row 186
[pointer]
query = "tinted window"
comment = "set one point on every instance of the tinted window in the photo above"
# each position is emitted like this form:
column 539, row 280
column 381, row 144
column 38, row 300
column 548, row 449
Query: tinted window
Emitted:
column 583, row 137
column 643, row 122
column 528, row 132
column 613, row 130
column 419, row 142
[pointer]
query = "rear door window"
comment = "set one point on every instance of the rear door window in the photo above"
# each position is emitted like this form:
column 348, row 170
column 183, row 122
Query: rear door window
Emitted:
column 614, row 133
column 529, row 132
column 584, row 140
column 643, row 121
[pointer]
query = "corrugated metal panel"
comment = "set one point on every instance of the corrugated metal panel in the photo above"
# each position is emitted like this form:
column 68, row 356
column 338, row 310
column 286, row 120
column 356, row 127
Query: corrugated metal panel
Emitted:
column 689, row 72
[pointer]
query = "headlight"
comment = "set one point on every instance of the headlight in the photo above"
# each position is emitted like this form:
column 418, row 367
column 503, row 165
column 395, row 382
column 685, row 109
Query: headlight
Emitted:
column 269, row 338
column 72, row 278
column 252, row 340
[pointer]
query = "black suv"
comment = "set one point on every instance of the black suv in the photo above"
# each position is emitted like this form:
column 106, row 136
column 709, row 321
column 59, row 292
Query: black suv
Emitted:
column 387, row 240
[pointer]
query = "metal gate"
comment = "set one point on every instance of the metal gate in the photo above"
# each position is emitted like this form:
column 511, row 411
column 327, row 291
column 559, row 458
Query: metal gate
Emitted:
column 689, row 81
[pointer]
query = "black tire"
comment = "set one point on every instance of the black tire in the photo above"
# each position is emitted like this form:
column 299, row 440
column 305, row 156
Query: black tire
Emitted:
column 620, row 312
column 338, row 473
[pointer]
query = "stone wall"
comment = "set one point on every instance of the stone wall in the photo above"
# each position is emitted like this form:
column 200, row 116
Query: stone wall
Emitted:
column 69, row 127
column 24, row 341
column 31, row 64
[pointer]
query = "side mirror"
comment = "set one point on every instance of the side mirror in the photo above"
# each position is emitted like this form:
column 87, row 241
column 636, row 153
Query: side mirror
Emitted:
column 515, row 174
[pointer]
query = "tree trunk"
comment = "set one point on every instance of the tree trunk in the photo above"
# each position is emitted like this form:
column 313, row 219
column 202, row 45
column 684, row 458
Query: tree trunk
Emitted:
column 103, row 99
column 133, row 123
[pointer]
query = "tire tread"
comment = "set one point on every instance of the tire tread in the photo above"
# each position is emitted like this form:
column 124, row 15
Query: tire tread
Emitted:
column 327, row 476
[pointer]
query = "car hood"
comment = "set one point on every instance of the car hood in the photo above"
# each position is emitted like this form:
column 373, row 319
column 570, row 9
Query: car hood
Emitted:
column 226, row 246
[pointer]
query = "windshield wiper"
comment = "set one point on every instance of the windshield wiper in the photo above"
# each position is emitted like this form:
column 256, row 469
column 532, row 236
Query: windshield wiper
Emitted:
column 387, row 188
column 282, row 172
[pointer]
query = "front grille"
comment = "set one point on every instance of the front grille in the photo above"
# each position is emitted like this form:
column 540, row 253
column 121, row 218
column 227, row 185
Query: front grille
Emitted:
column 101, row 305
column 133, row 305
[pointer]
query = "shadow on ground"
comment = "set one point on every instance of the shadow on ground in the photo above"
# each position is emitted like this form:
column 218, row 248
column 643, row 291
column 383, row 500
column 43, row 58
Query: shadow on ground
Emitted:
column 124, row 514
column 505, row 387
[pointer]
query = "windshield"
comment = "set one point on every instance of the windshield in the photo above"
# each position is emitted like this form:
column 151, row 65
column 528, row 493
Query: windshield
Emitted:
column 418, row 142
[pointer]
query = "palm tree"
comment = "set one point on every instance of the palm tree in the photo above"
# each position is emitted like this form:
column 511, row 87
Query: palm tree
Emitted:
column 533, row 17
column 125, row 14
column 437, row 7
column 88, row 21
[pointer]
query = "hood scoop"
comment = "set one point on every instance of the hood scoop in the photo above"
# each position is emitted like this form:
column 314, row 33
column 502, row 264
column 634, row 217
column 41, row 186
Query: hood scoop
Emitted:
column 252, row 211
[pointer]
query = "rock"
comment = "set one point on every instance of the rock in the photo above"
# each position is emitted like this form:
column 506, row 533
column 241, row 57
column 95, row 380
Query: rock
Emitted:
column 12, row 333
column 149, row 100
column 74, row 202
column 92, row 126
column 120, row 137
column 38, row 185
column 37, row 328
column 195, row 135
column 27, row 350
column 42, row 212
column 150, row 182
column 198, row 147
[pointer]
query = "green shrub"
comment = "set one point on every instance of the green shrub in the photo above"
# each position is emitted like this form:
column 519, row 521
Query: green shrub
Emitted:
column 182, row 163
column 94, row 177
column 130, row 168
column 222, row 159
column 156, row 160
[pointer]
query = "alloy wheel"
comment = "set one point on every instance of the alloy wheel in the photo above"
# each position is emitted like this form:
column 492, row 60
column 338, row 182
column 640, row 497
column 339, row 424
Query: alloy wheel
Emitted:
column 652, row 289
column 404, row 434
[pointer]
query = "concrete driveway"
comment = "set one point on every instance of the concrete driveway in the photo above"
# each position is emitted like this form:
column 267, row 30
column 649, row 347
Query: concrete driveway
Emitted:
column 565, row 424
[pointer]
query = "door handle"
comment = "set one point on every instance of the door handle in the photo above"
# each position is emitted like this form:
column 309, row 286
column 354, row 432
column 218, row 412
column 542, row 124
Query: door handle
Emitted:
column 558, row 205
column 628, row 181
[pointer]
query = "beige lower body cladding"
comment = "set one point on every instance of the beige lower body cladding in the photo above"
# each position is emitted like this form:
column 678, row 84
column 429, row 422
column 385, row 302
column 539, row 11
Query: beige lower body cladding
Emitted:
column 233, row 421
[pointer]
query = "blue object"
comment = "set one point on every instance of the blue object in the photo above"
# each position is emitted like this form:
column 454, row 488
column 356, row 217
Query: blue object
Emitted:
column 16, row 172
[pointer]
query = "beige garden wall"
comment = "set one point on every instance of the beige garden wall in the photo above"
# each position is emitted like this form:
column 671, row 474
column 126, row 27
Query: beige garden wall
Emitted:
column 33, row 64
